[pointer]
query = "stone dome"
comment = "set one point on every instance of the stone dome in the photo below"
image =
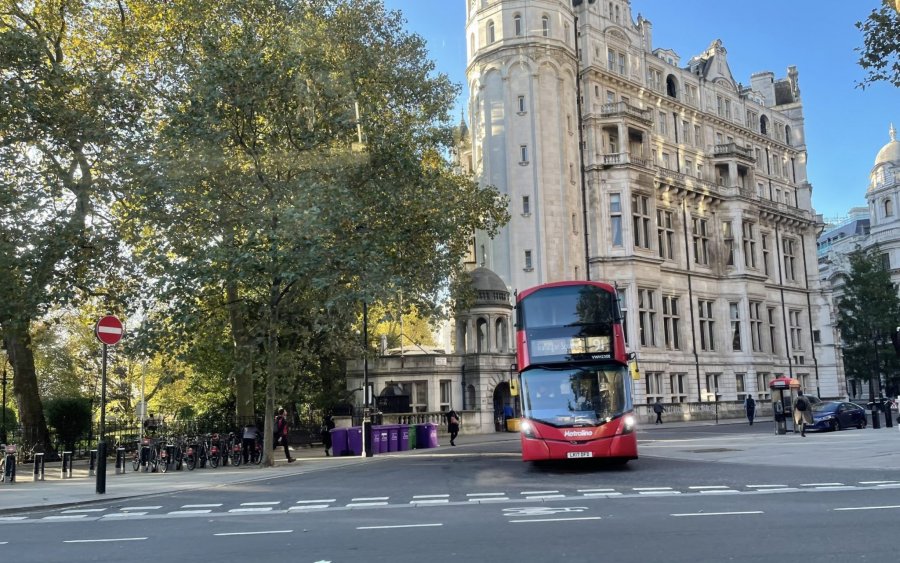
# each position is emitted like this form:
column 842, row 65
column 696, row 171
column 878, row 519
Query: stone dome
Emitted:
column 889, row 153
column 489, row 288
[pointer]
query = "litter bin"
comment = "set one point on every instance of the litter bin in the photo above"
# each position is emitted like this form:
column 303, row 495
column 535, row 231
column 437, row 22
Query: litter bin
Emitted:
column 426, row 435
column 384, row 438
column 376, row 440
column 354, row 440
column 403, row 442
column 339, row 441
column 412, row 436
column 393, row 441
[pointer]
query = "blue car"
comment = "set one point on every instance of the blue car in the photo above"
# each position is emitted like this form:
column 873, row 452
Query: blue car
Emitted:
column 836, row 415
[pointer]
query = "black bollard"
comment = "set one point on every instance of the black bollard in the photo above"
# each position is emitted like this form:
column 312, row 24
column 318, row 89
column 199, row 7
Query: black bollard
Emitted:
column 101, row 467
column 876, row 420
column 120, row 460
column 38, row 471
column 9, row 471
column 92, row 468
column 888, row 423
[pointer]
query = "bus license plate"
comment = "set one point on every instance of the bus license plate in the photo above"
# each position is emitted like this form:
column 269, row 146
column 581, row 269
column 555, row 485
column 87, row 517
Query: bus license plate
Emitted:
column 580, row 454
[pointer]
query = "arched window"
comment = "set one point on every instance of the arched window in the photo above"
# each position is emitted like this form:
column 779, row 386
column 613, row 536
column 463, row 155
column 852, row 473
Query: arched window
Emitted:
column 764, row 125
column 500, row 336
column 481, row 336
column 888, row 208
column 517, row 25
column 490, row 32
column 671, row 87
column 545, row 26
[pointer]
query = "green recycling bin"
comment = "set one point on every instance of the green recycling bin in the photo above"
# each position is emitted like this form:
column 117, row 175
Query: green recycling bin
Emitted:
column 412, row 437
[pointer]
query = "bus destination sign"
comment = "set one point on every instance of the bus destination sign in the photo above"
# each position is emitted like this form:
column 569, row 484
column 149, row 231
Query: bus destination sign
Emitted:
column 570, row 346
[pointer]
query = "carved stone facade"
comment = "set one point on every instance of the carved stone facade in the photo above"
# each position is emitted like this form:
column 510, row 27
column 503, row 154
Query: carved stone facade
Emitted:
column 689, row 193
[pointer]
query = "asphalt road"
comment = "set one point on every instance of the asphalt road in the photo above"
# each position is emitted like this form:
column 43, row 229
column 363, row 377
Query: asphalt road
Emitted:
column 480, row 502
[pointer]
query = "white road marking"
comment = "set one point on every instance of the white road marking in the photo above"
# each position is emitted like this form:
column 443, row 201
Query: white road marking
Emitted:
column 869, row 507
column 651, row 489
column 358, row 504
column 487, row 499
column 269, row 503
column 124, row 514
column 66, row 517
column 366, row 499
column 659, row 493
column 254, row 533
column 320, row 501
column 836, row 488
column 764, row 486
column 308, row 506
column 431, row 496
column 889, row 485
column 876, row 482
column 177, row 512
column 3, row 542
column 398, row 526
column 821, row 484
column 430, row 501
column 538, row 492
column 554, row 519
column 602, row 494
column 719, row 513
column 486, row 494
column 201, row 505
column 701, row 487
column 717, row 491
column 541, row 497
column 141, row 508
column 595, row 490
column 12, row 518
column 255, row 509
column 77, row 510
column 104, row 540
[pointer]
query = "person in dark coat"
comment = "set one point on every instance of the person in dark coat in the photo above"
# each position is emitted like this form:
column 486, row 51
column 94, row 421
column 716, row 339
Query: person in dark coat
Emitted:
column 282, row 428
column 453, row 426
column 327, row 427
column 750, row 406
column 658, row 408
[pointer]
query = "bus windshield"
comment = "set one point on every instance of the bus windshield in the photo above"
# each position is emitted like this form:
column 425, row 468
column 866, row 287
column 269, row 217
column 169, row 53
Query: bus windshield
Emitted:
column 578, row 396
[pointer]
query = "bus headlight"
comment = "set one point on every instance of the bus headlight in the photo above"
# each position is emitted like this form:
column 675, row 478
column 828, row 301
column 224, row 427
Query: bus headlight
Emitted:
column 628, row 423
column 527, row 429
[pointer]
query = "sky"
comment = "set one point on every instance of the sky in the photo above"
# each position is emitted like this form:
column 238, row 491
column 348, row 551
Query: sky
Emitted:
column 845, row 125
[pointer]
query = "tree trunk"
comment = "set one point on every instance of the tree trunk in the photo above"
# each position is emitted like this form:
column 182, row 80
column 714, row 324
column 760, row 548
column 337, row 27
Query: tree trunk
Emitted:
column 272, row 366
column 25, row 387
column 245, row 409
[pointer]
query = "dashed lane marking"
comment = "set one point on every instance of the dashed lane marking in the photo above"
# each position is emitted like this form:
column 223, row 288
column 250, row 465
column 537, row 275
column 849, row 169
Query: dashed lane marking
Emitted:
column 104, row 540
column 764, row 486
column 216, row 505
column 705, row 487
column 367, row 499
column 124, row 514
column 319, row 501
column 64, row 517
column 821, row 484
column 254, row 533
column 361, row 504
column 877, row 482
column 889, row 507
column 486, row 494
column 719, row 513
column 77, row 510
column 554, row 519
column 308, row 507
column 596, row 490
column 430, row 501
column 430, row 496
column 179, row 512
column 717, row 491
column 528, row 493
column 253, row 509
column 129, row 508
column 267, row 503
column 398, row 526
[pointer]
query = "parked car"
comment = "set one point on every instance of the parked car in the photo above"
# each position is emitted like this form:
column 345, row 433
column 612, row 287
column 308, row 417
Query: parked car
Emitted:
column 836, row 415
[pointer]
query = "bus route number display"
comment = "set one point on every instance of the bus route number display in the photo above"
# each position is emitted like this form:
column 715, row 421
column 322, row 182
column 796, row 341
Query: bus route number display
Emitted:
column 570, row 346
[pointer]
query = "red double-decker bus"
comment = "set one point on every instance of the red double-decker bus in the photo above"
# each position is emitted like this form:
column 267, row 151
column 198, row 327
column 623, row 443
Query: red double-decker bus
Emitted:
column 575, row 383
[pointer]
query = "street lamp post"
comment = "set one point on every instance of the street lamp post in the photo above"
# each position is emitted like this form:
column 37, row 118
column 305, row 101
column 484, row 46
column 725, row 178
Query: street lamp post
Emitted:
column 367, row 423
column 4, row 380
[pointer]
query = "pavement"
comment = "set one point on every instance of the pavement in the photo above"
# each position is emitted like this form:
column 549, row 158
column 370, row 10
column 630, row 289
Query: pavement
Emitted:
column 873, row 449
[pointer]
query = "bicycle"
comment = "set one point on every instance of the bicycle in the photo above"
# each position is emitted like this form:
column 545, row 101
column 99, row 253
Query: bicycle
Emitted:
column 146, row 455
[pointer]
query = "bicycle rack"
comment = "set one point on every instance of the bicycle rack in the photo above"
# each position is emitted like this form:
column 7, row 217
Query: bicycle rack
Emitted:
column 92, row 468
column 120, row 460
column 66, row 467
column 38, row 471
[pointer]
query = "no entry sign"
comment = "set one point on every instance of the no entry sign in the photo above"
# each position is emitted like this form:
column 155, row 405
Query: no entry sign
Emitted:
column 109, row 330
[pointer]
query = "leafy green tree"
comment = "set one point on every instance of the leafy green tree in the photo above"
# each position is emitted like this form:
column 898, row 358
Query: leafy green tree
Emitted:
column 70, row 417
column 868, row 318
column 262, row 185
column 68, row 121
column 880, row 56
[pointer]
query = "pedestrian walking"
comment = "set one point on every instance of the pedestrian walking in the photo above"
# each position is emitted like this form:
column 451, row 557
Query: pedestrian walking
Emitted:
column 802, row 416
column 327, row 427
column 248, row 441
column 658, row 408
column 750, row 406
column 281, row 434
column 453, row 426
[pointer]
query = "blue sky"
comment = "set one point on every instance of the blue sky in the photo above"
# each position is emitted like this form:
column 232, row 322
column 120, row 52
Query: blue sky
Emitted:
column 845, row 125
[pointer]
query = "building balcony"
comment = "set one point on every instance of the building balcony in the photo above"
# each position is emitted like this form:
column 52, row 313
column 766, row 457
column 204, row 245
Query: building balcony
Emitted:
column 624, row 159
column 622, row 110
column 733, row 150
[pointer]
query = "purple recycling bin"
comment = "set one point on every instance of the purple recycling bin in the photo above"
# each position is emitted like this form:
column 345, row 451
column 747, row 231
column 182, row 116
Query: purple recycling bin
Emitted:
column 376, row 440
column 403, row 442
column 339, row 441
column 426, row 435
column 355, row 440
column 393, row 442
column 383, row 438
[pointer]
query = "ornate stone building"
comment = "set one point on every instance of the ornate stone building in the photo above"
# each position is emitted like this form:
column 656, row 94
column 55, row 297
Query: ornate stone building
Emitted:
column 670, row 179
column 878, row 224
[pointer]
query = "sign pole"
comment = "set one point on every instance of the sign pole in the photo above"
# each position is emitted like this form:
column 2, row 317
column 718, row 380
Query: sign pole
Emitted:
column 109, row 331
column 101, row 446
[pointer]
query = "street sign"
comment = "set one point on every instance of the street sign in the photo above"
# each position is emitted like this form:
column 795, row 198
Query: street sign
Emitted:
column 109, row 330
